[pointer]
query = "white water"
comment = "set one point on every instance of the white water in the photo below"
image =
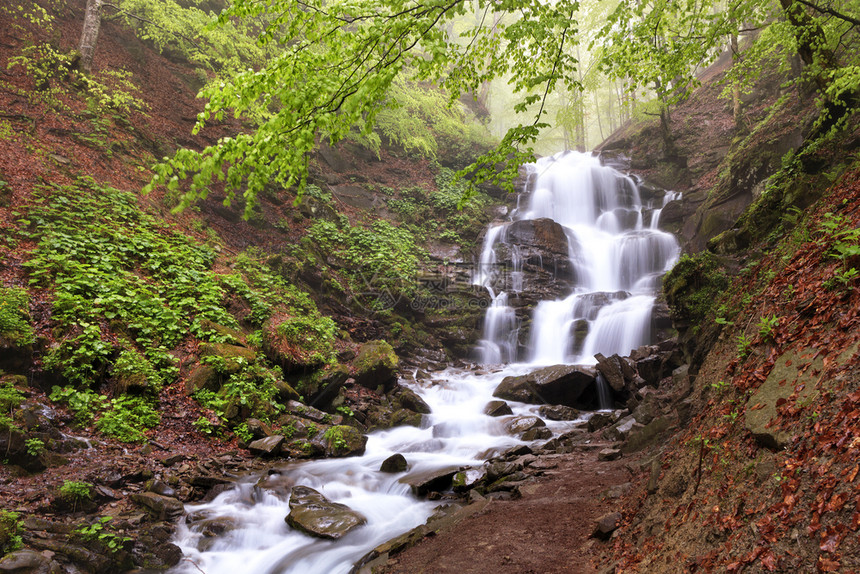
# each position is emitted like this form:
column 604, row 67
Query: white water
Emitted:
column 618, row 263
column 456, row 434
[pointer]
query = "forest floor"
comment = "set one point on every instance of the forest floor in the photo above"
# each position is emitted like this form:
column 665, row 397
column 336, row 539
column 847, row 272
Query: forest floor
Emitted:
column 548, row 529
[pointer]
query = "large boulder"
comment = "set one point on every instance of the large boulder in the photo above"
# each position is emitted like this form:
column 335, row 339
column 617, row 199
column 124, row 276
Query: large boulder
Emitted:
column 322, row 387
column 569, row 385
column 376, row 366
column 298, row 343
column 227, row 359
column 343, row 440
column 314, row 514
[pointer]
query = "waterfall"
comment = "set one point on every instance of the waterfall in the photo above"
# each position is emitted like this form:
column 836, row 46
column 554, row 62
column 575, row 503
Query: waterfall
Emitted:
column 618, row 262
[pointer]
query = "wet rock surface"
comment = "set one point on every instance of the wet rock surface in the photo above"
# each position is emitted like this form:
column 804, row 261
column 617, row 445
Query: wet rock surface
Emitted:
column 568, row 385
column 314, row 514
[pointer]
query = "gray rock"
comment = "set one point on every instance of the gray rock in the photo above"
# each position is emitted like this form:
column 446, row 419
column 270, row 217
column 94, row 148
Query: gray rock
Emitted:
column 161, row 507
column 314, row 514
column 521, row 424
column 23, row 562
column 568, row 385
column 497, row 409
column 468, row 479
column 537, row 433
column 599, row 421
column 394, row 463
column 606, row 525
column 343, row 440
column 558, row 413
column 431, row 481
column 609, row 454
column 268, row 446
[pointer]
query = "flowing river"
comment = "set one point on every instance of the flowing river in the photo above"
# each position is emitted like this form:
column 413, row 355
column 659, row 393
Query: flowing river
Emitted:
column 616, row 249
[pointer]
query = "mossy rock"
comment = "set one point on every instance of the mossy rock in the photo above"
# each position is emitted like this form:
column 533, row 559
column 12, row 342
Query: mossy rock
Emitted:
column 203, row 377
column 343, row 440
column 299, row 343
column 233, row 357
column 376, row 366
column 227, row 334
column 323, row 386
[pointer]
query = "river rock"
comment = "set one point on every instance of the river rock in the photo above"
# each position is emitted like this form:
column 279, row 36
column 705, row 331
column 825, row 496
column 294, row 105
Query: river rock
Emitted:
column 161, row 507
column 497, row 409
column 616, row 370
column 410, row 400
column 394, row 463
column 599, row 421
column 536, row 433
column 431, row 481
column 314, row 514
column 24, row 562
column 519, row 425
column 343, row 440
column 558, row 413
column 267, row 446
column 468, row 479
column 569, row 385
column 376, row 366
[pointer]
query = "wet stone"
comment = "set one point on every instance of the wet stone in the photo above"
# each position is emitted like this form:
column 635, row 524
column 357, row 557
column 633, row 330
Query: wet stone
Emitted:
column 315, row 515
column 394, row 463
column 497, row 409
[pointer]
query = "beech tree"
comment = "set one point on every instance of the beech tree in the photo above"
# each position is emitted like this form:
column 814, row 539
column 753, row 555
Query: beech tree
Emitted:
column 336, row 60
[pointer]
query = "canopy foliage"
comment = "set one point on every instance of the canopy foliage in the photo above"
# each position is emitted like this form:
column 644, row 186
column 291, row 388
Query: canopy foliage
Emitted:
column 331, row 65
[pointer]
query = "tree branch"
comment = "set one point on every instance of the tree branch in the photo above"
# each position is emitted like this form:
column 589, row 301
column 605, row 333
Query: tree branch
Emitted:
column 142, row 19
column 831, row 11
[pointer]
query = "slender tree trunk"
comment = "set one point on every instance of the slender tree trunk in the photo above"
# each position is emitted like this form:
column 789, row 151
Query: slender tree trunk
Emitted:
column 90, row 34
column 597, row 113
column 736, row 89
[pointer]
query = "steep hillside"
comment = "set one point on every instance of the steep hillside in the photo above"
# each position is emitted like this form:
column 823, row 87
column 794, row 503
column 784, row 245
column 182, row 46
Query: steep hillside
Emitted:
column 160, row 344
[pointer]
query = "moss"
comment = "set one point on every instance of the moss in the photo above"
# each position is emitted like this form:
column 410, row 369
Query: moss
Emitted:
column 694, row 286
column 15, row 316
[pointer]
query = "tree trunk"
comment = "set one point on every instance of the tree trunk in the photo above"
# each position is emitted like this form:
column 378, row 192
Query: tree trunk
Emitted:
column 90, row 34
column 736, row 89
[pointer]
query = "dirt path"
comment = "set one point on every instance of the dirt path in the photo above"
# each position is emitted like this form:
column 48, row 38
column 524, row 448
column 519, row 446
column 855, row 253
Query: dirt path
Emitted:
column 546, row 530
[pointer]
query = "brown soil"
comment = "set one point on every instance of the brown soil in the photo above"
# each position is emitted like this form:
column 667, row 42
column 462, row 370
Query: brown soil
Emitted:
column 547, row 530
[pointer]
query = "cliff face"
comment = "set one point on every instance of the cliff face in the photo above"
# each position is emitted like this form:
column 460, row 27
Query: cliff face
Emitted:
column 761, row 476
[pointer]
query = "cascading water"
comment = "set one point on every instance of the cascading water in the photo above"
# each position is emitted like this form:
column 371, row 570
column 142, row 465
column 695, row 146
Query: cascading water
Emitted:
column 618, row 262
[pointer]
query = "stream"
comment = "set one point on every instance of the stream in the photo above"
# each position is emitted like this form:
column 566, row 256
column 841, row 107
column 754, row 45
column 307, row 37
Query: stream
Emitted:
column 618, row 254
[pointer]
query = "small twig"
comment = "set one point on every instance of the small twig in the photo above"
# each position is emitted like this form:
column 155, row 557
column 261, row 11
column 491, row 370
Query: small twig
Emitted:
column 142, row 19
column 699, row 469
column 193, row 563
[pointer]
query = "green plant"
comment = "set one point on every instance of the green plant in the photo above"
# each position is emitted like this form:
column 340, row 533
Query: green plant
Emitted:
column 128, row 418
column 15, row 315
column 35, row 446
column 84, row 404
column 204, row 425
column 312, row 430
column 334, row 437
column 766, row 326
column 243, row 433
column 75, row 492
column 289, row 431
column 345, row 411
column 744, row 346
column 10, row 532
column 98, row 532
column 719, row 386
column 10, row 399
column 135, row 370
